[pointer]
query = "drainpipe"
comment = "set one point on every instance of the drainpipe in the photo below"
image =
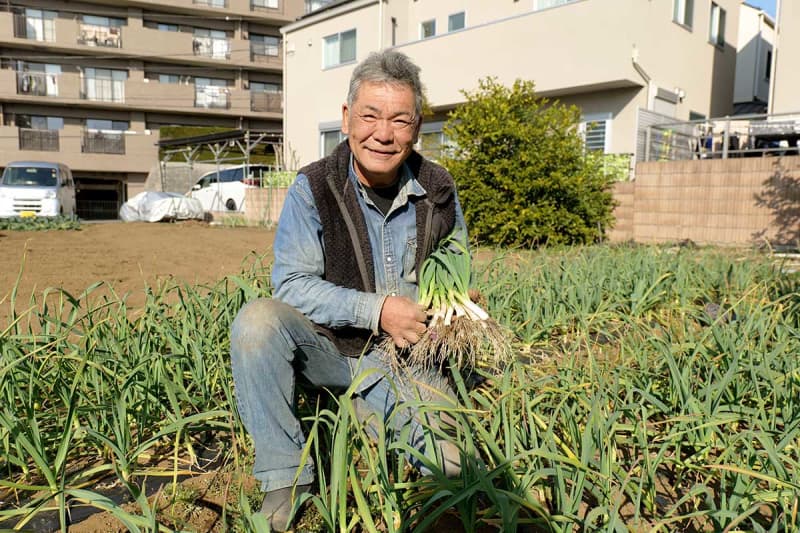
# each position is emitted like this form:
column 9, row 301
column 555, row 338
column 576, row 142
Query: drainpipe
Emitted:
column 380, row 25
column 756, row 77
column 646, row 77
column 775, row 53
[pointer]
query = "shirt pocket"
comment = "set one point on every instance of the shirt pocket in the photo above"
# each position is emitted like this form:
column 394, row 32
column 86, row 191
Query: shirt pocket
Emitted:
column 409, row 260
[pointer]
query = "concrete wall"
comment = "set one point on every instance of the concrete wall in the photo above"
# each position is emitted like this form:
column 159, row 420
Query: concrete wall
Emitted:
column 263, row 206
column 741, row 201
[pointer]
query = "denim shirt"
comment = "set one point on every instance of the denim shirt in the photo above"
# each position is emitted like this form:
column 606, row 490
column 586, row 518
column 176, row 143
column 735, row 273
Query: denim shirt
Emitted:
column 298, row 250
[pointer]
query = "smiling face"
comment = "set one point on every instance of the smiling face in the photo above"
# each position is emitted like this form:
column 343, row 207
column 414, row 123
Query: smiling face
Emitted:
column 381, row 128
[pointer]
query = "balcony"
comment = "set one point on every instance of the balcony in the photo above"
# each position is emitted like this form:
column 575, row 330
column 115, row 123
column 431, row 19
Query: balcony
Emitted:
column 39, row 140
column 94, row 35
column 103, row 142
column 212, row 97
column 37, row 84
column 211, row 47
column 266, row 102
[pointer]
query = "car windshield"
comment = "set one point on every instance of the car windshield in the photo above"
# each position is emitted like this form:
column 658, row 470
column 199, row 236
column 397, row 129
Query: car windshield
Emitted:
column 30, row 176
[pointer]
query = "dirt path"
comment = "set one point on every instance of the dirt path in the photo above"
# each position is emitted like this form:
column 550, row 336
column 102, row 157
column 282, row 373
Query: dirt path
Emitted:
column 125, row 255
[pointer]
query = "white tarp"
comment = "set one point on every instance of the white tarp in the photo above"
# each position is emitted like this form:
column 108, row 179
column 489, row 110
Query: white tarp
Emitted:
column 154, row 206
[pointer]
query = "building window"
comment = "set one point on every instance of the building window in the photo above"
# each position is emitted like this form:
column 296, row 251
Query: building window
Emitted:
column 339, row 48
column 264, row 4
column 427, row 29
column 37, row 79
column 455, row 21
column 211, row 93
column 211, row 43
column 101, row 31
column 596, row 132
column 169, row 78
column 682, row 12
column 264, row 47
column 538, row 5
column 313, row 5
column 104, row 84
column 329, row 140
column 768, row 71
column 39, row 25
column 433, row 143
column 716, row 32
column 166, row 27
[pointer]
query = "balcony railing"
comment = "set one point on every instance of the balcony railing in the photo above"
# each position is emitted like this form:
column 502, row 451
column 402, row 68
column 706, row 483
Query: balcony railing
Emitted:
column 264, row 52
column 211, row 47
column 38, row 29
column 94, row 35
column 212, row 97
column 212, row 3
column 103, row 142
column 39, row 140
column 35, row 84
column 266, row 102
column 103, row 90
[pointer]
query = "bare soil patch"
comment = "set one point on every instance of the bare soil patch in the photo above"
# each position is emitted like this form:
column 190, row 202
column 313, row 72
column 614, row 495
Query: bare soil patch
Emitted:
column 127, row 256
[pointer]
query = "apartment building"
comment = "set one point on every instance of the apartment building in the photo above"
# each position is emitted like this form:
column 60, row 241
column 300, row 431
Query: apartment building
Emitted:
column 756, row 41
column 617, row 61
column 90, row 83
column 785, row 78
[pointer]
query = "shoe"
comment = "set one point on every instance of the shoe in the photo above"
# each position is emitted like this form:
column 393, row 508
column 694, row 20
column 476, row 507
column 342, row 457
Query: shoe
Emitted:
column 277, row 505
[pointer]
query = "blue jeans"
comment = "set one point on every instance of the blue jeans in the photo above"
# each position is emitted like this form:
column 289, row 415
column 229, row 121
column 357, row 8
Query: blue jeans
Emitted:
column 270, row 342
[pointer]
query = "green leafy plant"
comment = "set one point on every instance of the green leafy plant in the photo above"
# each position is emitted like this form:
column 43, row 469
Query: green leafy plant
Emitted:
column 39, row 223
column 521, row 169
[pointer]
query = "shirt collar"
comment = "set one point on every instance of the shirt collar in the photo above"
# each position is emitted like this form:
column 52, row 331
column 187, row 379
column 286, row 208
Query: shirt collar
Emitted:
column 409, row 186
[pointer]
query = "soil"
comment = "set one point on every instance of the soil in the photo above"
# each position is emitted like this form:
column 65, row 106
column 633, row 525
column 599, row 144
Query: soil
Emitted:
column 127, row 256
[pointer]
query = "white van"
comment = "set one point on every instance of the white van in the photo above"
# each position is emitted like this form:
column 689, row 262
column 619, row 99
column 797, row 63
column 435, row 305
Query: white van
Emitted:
column 37, row 188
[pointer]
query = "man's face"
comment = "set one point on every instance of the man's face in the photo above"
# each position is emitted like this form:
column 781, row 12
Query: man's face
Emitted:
column 381, row 128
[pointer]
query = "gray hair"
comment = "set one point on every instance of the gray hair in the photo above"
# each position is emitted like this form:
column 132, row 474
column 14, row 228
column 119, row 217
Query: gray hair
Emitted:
column 387, row 66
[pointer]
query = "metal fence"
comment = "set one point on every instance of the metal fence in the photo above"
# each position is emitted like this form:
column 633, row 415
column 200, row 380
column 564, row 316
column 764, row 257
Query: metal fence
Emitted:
column 269, row 102
column 100, row 142
column 40, row 140
column 737, row 136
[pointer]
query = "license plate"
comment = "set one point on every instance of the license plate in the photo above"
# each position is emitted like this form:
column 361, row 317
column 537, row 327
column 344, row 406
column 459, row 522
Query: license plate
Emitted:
column 27, row 214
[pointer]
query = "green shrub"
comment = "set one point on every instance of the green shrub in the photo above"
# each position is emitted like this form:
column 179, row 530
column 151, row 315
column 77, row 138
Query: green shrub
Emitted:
column 521, row 169
column 39, row 223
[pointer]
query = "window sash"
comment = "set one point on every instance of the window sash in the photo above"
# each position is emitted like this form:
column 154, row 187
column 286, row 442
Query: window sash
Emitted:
column 339, row 48
column 682, row 12
column 456, row 21
column 716, row 32
column 427, row 29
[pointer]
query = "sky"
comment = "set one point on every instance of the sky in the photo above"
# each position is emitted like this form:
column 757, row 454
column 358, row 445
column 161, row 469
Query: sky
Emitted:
column 766, row 5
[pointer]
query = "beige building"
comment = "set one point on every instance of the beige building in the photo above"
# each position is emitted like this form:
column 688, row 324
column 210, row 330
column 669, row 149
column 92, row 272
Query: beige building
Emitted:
column 786, row 60
column 666, row 57
column 753, row 60
column 90, row 83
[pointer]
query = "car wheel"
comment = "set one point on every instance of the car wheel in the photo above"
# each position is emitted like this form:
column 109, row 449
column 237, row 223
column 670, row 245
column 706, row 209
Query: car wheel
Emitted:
column 230, row 204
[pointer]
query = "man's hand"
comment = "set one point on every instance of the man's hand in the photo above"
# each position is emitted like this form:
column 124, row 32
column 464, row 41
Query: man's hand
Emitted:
column 403, row 319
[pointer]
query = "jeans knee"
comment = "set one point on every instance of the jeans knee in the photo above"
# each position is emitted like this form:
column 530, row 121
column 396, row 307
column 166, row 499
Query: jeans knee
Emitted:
column 256, row 323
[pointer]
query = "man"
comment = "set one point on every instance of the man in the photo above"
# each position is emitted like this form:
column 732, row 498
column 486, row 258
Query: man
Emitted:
column 354, row 230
